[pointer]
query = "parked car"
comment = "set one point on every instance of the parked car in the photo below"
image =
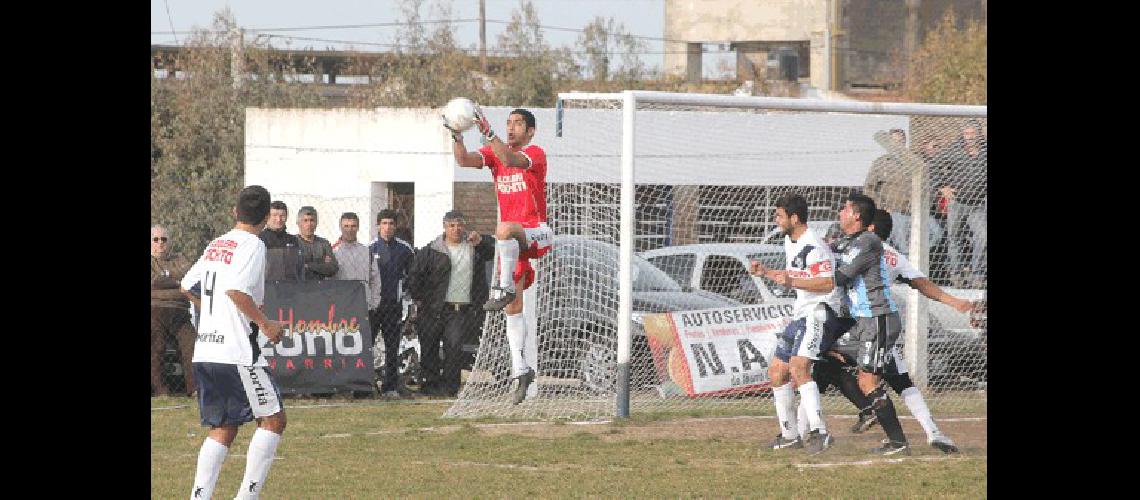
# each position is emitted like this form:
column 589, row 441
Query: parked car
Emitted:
column 956, row 342
column 578, row 310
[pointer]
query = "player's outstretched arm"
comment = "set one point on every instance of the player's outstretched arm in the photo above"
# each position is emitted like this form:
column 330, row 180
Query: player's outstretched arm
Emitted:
column 245, row 304
column 463, row 158
column 934, row 292
column 821, row 284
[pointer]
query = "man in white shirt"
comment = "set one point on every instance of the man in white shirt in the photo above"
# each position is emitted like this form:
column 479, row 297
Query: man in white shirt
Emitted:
column 234, row 386
column 809, row 269
column 448, row 282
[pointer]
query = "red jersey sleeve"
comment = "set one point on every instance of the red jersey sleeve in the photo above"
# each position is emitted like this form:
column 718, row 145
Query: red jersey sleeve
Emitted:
column 488, row 157
column 537, row 160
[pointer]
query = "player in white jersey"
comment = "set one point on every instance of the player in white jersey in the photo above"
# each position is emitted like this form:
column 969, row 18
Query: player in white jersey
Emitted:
column 809, row 269
column 233, row 385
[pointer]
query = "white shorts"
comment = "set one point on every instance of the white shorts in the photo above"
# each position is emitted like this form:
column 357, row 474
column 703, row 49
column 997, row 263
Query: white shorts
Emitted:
column 539, row 238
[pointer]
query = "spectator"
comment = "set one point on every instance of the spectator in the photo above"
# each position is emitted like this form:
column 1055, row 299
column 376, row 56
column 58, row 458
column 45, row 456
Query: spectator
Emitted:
column 964, row 185
column 282, row 250
column 928, row 152
column 169, row 311
column 448, row 284
column 889, row 184
column 393, row 258
column 356, row 262
column 317, row 256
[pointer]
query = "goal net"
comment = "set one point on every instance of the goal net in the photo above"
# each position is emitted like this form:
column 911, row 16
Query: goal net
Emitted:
column 707, row 171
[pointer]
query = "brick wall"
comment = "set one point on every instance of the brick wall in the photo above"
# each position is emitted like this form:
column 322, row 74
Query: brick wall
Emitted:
column 478, row 203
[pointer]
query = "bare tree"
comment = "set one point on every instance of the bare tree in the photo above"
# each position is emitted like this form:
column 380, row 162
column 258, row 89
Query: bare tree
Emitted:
column 605, row 42
column 198, row 131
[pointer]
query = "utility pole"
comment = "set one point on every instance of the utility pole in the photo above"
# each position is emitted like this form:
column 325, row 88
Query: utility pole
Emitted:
column 483, row 35
column 237, row 55
column 910, row 42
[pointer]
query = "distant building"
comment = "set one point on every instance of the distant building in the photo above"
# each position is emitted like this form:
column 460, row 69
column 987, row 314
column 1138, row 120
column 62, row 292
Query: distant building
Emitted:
column 826, row 44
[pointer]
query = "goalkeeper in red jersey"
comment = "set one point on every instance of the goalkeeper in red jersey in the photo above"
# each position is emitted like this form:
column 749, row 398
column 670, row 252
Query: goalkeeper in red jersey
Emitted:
column 519, row 171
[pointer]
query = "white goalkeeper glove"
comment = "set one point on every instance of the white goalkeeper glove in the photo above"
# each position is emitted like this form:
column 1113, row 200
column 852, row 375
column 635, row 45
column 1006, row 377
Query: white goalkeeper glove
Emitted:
column 484, row 126
column 455, row 135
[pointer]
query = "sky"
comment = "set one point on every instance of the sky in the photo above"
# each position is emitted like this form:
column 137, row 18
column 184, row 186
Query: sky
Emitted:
column 640, row 17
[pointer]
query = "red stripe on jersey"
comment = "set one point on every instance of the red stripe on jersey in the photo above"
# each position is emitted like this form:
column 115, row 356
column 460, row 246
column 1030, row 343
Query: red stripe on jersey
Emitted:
column 823, row 266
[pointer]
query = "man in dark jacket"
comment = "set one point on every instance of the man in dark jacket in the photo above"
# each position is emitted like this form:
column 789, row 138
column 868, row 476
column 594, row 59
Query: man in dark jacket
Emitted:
column 282, row 250
column 449, row 283
column 393, row 258
column 316, row 253
column 964, row 184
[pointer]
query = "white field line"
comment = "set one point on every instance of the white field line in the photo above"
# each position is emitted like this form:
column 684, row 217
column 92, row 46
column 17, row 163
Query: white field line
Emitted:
column 160, row 408
column 801, row 467
column 371, row 403
column 603, row 422
column 768, row 417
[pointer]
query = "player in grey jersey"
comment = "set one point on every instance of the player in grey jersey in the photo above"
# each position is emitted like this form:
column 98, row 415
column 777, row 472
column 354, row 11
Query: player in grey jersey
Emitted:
column 899, row 268
column 862, row 272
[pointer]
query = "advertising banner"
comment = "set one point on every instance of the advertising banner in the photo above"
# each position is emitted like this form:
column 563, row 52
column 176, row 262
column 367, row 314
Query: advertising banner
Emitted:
column 716, row 351
column 325, row 347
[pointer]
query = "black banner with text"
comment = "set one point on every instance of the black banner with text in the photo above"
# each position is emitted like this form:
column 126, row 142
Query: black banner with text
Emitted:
column 325, row 347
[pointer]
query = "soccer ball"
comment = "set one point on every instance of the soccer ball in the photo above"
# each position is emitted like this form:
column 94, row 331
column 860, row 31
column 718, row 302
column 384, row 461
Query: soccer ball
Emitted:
column 459, row 113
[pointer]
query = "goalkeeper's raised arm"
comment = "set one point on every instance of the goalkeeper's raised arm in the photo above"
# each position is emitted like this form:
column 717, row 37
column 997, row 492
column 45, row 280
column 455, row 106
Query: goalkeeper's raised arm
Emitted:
column 462, row 157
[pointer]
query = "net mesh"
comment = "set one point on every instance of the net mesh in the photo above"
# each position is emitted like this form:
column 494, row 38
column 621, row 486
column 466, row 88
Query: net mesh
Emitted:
column 706, row 184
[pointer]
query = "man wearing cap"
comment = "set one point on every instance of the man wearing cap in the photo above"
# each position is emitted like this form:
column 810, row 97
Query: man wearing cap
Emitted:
column 448, row 281
column 316, row 252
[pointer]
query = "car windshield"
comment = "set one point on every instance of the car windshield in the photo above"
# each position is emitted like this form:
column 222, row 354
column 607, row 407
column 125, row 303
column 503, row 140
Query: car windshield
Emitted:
column 596, row 258
column 648, row 278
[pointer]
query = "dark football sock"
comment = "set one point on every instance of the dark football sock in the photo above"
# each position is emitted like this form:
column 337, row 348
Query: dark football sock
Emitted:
column 884, row 409
column 849, row 386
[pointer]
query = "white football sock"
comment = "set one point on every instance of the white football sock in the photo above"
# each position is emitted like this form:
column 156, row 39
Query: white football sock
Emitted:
column 210, row 458
column 258, row 459
column 785, row 399
column 917, row 407
column 516, row 340
column 508, row 259
column 802, row 420
column 809, row 398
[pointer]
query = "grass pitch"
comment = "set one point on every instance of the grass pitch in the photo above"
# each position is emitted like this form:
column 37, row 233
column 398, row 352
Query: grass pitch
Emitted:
column 378, row 449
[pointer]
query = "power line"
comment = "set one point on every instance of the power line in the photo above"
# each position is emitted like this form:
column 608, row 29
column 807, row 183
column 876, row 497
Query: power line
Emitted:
column 508, row 52
column 326, row 27
column 495, row 21
column 371, row 25
column 169, row 18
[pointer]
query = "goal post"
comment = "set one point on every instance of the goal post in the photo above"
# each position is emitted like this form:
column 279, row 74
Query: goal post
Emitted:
column 663, row 198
